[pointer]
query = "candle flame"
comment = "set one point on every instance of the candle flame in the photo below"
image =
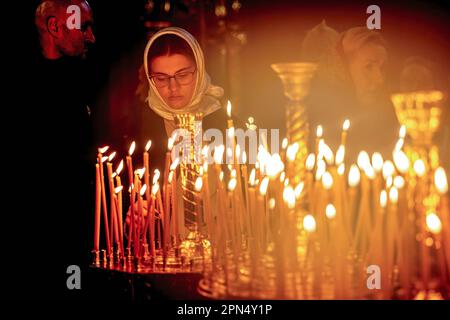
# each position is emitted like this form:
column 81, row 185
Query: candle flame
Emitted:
column 370, row 173
column 218, row 154
column 393, row 195
column 230, row 132
column 283, row 176
column 291, row 151
column 111, row 156
column 118, row 189
column 346, row 125
column 205, row 151
column 229, row 109
column 140, row 172
column 383, row 199
column 440, row 180
column 205, row 167
column 232, row 184
column 419, row 167
column 175, row 164
column 401, row 161
column 399, row 182
column 341, row 169
column 221, row 176
column 252, row 177
column 354, row 176
column 229, row 152
column 156, row 175
column 310, row 161
column 103, row 149
column 319, row 131
column 299, row 189
column 148, row 145
column 328, row 154
column 389, row 182
column 321, row 168
column 143, row 189
column 330, row 211
column 263, row 186
column 388, row 169
column 309, row 223
column 132, row 147
column 155, row 188
column 198, row 184
column 289, row 197
column 233, row 173
column 327, row 180
column 272, row 203
column 114, row 175
column 434, row 224
column 377, row 161
column 170, row 177
column 402, row 132
column 104, row 159
column 399, row 144
column 170, row 143
column 274, row 165
column 119, row 167
column 284, row 143
column 244, row 157
column 363, row 160
column 340, row 154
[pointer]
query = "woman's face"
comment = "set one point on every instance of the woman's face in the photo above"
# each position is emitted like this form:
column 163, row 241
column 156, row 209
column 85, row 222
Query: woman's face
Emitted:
column 366, row 69
column 174, row 77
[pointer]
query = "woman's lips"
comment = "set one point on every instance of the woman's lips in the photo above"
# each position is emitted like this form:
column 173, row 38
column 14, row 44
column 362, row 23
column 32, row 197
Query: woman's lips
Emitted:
column 175, row 98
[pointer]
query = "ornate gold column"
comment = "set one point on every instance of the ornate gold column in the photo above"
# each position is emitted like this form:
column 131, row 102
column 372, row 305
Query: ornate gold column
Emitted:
column 296, row 78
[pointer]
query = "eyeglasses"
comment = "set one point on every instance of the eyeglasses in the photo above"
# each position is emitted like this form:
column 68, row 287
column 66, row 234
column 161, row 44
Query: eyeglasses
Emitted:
column 182, row 78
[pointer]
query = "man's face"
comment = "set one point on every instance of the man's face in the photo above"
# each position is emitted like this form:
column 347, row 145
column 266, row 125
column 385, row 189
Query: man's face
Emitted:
column 76, row 42
column 174, row 77
column 366, row 69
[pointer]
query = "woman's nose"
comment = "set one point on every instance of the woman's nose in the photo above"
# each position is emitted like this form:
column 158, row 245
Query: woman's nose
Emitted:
column 173, row 85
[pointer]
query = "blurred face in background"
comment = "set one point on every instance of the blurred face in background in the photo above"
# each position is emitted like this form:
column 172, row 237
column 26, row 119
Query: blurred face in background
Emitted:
column 366, row 67
column 174, row 78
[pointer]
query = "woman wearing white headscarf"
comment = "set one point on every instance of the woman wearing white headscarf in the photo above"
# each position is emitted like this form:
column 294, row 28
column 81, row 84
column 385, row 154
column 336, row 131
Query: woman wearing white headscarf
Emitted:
column 173, row 81
column 178, row 83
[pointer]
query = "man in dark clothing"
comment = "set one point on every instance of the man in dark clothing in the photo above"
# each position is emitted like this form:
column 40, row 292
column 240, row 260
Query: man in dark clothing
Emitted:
column 52, row 228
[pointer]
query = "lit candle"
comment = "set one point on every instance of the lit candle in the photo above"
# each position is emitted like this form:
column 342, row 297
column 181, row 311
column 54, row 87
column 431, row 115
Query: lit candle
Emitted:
column 147, row 166
column 345, row 128
column 105, row 208
column 132, row 193
column 97, row 209
column 113, row 223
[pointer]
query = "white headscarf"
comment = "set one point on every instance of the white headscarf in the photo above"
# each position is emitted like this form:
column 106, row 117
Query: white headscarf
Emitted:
column 205, row 98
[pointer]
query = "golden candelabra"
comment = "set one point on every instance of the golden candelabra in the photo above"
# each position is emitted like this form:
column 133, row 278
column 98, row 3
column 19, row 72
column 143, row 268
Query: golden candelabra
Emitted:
column 296, row 78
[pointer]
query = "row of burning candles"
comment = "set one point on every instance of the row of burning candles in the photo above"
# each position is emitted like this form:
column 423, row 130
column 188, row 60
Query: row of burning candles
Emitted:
column 375, row 222
column 352, row 200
